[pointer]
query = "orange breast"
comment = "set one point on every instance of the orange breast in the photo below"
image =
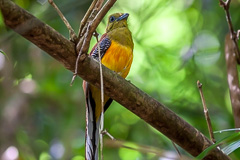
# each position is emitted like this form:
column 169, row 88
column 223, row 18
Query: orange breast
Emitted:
column 118, row 58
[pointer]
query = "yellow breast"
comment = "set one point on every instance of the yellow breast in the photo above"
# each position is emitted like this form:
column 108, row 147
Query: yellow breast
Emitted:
column 118, row 58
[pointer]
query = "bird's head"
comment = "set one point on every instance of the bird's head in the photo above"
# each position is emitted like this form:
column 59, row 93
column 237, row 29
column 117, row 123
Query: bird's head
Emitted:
column 117, row 20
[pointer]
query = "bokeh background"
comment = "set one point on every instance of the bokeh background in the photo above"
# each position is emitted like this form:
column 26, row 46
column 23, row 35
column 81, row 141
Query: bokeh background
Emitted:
column 176, row 44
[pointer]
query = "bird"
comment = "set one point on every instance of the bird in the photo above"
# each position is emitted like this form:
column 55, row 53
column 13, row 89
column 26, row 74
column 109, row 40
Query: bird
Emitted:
column 116, row 51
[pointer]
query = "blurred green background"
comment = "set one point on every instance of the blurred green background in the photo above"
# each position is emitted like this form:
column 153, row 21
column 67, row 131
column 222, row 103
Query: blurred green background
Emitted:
column 176, row 44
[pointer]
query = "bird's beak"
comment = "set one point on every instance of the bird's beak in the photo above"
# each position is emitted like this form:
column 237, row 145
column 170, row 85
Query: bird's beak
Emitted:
column 124, row 16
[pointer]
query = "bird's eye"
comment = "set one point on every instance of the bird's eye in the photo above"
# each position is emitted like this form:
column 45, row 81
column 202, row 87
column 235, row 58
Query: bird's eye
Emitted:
column 111, row 19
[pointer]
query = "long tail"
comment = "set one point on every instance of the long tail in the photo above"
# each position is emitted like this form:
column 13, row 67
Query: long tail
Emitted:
column 92, row 127
column 93, row 116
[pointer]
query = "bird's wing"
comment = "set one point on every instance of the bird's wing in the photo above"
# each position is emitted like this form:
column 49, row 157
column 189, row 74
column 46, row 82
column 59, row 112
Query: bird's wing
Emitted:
column 104, row 44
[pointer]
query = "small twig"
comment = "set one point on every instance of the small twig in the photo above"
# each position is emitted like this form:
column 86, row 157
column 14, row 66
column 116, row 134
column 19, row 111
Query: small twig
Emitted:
column 179, row 154
column 75, row 73
column 140, row 148
column 105, row 132
column 73, row 78
column 233, row 34
column 207, row 117
column 95, row 34
column 73, row 35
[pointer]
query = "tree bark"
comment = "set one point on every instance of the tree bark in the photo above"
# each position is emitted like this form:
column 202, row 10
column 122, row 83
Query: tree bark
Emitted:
column 125, row 93
column 233, row 81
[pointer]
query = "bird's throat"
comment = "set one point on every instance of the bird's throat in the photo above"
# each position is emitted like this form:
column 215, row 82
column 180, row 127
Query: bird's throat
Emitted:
column 122, row 36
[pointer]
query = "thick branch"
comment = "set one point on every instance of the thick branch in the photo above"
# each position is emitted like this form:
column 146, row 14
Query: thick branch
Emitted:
column 233, row 81
column 116, row 87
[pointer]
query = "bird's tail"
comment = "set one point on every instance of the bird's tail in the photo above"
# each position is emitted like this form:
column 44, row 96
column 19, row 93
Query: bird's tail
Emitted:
column 92, row 127
column 92, row 139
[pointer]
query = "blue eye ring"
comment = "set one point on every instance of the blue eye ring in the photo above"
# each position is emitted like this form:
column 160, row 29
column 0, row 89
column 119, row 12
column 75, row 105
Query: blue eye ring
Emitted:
column 112, row 19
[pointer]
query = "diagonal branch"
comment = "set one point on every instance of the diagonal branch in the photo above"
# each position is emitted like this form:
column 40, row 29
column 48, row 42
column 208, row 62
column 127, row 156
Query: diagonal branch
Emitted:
column 84, row 42
column 86, row 17
column 72, row 34
column 93, row 25
column 135, row 100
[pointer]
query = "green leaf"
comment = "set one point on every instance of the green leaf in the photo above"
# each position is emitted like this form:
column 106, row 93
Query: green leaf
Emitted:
column 231, row 147
column 230, row 139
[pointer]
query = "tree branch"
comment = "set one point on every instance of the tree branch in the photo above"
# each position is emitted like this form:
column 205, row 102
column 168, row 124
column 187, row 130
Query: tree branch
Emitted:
column 115, row 86
column 232, row 52
column 233, row 81
column 233, row 34
column 93, row 25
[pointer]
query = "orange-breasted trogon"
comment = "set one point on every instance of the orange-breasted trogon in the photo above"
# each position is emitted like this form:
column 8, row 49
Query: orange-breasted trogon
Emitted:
column 116, row 50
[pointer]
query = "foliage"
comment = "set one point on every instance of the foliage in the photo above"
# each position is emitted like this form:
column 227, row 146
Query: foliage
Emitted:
column 228, row 140
column 176, row 44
